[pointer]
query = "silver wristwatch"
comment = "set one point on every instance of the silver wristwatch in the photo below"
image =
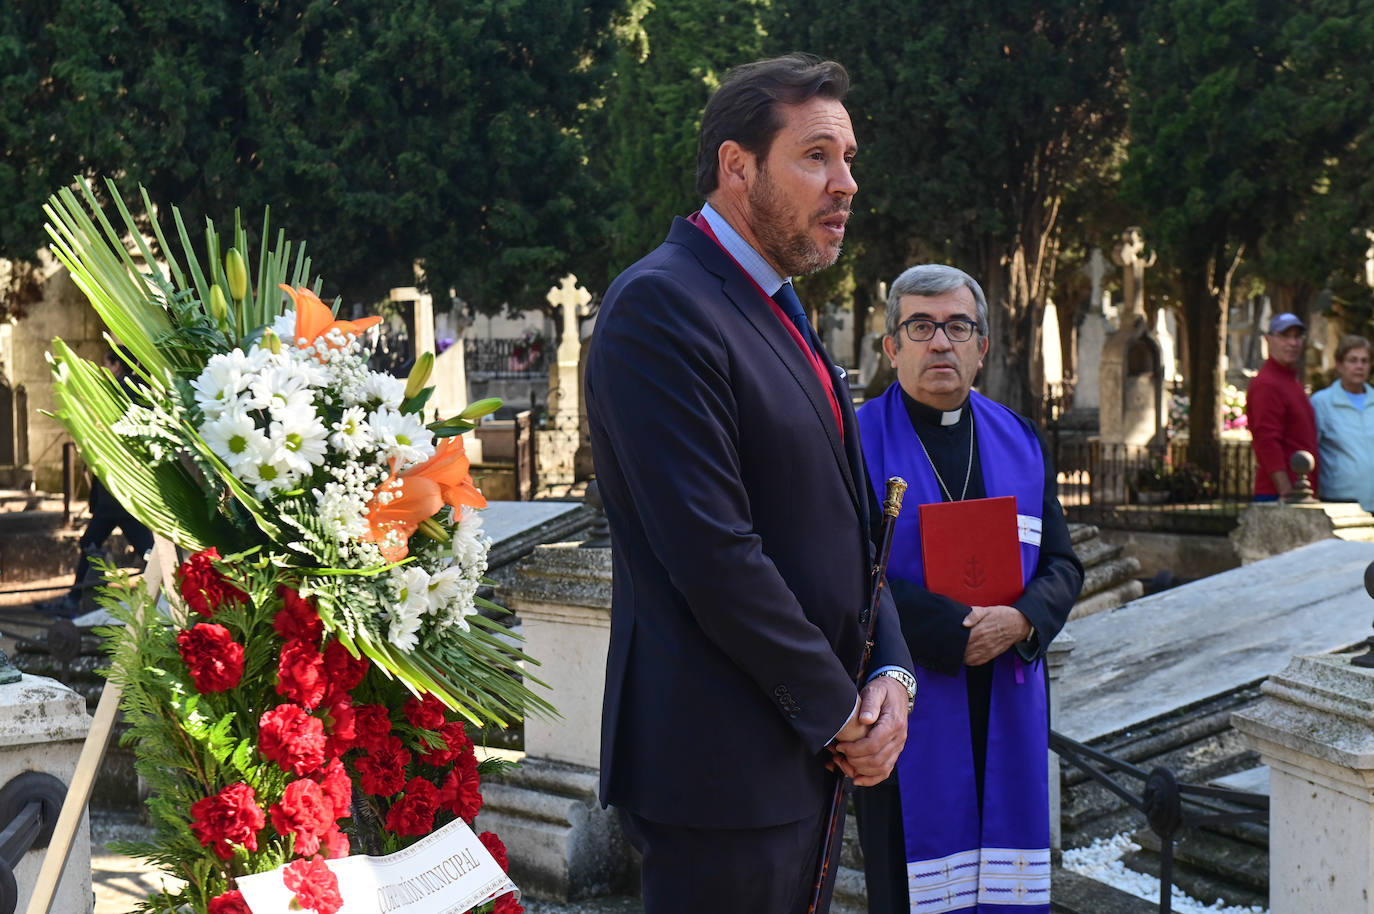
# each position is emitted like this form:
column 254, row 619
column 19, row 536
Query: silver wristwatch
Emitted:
column 907, row 681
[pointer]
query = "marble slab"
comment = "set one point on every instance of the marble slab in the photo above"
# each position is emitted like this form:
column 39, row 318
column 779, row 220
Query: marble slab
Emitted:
column 1185, row 645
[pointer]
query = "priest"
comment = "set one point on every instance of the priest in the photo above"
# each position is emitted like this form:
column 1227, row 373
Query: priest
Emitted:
column 963, row 822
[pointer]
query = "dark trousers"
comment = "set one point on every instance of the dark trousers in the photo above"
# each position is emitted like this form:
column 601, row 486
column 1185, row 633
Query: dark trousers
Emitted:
column 107, row 515
column 729, row 870
column 878, row 810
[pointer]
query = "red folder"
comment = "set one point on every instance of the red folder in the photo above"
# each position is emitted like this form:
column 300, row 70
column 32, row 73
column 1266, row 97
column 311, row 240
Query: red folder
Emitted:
column 971, row 550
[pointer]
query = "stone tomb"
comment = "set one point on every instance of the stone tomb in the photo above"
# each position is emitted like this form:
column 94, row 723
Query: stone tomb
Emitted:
column 1173, row 649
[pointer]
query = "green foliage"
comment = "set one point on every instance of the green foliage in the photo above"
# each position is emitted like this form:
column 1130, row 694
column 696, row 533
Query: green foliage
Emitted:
column 1245, row 116
column 665, row 69
column 974, row 122
column 443, row 133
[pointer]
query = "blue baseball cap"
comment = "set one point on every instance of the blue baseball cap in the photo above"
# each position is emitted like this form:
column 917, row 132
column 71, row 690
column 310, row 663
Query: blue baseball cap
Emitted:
column 1281, row 322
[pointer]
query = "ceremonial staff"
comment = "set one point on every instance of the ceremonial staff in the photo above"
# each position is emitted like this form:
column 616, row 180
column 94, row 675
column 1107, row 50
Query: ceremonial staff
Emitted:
column 892, row 506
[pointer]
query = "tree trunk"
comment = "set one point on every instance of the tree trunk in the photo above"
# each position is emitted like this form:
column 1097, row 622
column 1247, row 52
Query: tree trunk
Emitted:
column 1205, row 302
column 1013, row 372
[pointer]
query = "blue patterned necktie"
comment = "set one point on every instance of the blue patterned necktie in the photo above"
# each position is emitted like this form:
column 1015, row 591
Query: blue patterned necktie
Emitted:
column 791, row 305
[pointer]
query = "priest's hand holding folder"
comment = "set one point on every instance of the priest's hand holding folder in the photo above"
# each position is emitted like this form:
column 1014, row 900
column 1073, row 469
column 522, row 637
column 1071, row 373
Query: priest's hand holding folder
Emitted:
column 971, row 553
column 992, row 632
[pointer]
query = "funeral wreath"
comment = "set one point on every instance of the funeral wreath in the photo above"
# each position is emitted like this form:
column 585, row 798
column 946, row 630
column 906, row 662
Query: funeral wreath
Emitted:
column 307, row 688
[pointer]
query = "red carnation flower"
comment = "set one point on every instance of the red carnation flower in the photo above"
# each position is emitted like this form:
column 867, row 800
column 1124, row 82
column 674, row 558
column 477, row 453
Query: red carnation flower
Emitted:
column 315, row 885
column 335, row 844
column 495, row 848
column 297, row 620
column 342, row 670
column 230, row 817
column 230, row 902
column 300, row 674
column 202, row 585
column 455, row 743
column 382, row 770
column 426, row 713
column 340, row 727
column 305, row 813
column 372, row 726
column 291, row 738
column 461, row 793
column 413, row 813
column 212, row 656
column 507, row 904
column 336, row 786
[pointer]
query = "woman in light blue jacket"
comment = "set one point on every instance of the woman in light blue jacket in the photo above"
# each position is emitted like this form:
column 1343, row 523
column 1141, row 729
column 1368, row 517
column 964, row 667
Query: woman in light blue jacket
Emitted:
column 1345, row 427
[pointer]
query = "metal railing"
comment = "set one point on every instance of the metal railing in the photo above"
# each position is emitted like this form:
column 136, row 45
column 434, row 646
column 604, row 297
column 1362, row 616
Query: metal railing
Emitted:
column 506, row 358
column 1119, row 485
column 1160, row 799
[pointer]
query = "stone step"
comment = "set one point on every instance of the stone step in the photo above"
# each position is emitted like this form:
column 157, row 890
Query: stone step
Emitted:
column 1209, row 865
column 1196, row 743
column 1079, row 533
column 1114, row 596
column 1095, row 551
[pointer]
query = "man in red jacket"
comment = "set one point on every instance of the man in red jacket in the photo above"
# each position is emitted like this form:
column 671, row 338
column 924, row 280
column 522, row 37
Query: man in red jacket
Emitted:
column 1279, row 414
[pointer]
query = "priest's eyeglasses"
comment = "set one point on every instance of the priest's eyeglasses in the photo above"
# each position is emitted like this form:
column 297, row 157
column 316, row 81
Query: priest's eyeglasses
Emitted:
column 922, row 329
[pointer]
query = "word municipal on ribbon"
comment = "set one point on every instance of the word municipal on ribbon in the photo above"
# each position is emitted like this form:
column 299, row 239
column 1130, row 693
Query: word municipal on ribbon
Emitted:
column 448, row 872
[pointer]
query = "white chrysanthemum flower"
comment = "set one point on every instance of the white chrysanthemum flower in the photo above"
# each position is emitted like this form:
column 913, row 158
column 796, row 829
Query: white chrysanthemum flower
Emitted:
column 265, row 472
column 410, row 607
column 282, row 386
column 351, row 433
column 391, row 391
column 404, row 630
column 401, row 436
column 445, row 586
column 461, row 606
column 470, row 544
column 300, row 438
column 226, row 375
column 285, row 326
column 234, row 437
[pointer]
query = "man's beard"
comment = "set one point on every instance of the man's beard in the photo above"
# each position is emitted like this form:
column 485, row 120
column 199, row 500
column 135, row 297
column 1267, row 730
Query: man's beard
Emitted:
column 771, row 219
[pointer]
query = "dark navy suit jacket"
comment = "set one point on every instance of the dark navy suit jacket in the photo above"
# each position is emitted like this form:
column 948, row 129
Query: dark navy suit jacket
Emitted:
column 742, row 558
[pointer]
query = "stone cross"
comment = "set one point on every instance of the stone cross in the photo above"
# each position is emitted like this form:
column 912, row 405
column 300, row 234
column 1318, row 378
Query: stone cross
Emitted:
column 1130, row 256
column 573, row 299
column 1096, row 271
column 560, row 443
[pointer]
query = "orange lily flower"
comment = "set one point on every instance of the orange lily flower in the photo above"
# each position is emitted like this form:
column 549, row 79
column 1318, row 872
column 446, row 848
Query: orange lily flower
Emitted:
column 314, row 319
column 450, row 470
column 412, row 501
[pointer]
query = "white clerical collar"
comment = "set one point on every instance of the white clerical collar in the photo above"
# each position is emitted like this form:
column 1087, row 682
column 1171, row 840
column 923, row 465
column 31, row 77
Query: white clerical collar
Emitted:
column 951, row 417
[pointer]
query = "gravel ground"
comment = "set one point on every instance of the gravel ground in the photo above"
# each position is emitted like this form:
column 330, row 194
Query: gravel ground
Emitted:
column 1101, row 860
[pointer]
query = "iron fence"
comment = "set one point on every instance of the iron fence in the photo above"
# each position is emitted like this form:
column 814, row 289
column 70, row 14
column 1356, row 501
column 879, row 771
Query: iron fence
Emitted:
column 506, row 358
column 1135, row 487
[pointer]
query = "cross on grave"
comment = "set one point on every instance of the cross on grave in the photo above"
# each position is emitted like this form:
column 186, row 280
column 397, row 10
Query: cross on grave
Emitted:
column 1096, row 271
column 1130, row 255
column 573, row 300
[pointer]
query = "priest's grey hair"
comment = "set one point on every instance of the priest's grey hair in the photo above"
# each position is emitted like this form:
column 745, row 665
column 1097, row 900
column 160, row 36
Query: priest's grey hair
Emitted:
column 933, row 279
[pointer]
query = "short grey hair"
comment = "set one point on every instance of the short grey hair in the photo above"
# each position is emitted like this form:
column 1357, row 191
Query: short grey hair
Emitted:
column 932, row 279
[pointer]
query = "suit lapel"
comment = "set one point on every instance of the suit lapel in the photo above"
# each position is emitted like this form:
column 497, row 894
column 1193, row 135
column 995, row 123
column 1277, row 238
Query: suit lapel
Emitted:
column 745, row 297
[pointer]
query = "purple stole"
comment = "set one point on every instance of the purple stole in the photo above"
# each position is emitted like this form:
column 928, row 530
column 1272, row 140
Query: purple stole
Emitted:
column 957, row 859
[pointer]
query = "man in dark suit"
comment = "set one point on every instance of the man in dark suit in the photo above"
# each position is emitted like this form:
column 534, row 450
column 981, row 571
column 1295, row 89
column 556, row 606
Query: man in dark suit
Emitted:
column 727, row 456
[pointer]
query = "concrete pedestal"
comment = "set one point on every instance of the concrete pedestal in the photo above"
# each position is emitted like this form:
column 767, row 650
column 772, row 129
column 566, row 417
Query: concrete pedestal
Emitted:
column 562, row 844
column 43, row 725
column 1271, row 528
column 1314, row 728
